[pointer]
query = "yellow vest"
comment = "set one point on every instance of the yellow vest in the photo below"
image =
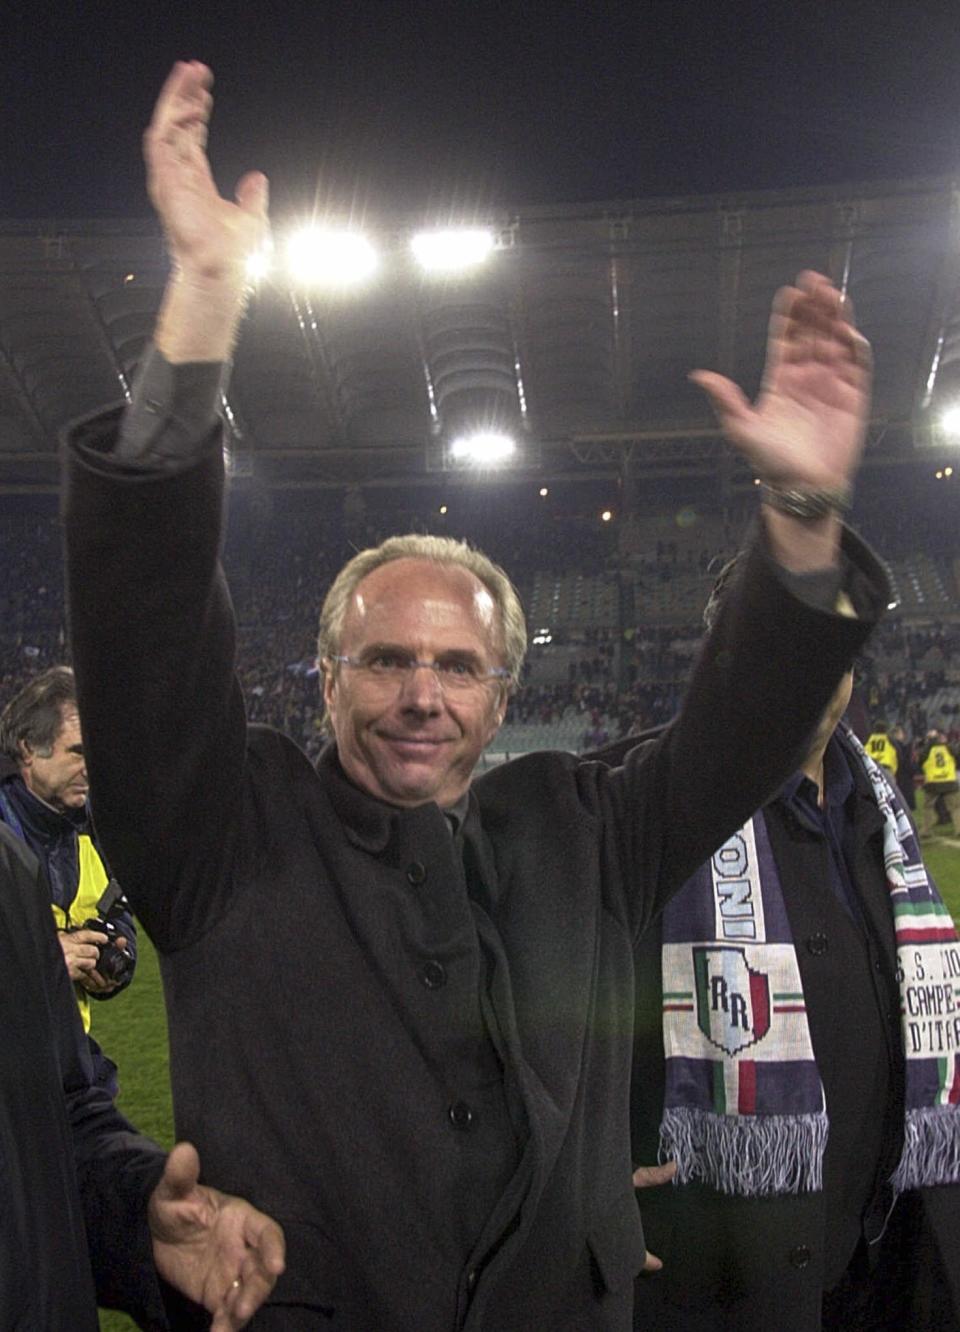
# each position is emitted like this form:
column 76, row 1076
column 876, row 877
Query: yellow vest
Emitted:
column 883, row 751
column 93, row 880
column 939, row 765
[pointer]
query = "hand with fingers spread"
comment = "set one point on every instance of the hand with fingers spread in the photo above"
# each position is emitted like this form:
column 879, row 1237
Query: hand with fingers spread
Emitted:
column 650, row 1177
column 808, row 425
column 211, row 238
column 216, row 1249
column 208, row 235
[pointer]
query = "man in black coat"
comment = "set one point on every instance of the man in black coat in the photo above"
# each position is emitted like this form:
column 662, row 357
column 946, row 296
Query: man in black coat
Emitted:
column 850, row 1252
column 416, row 993
column 93, row 1211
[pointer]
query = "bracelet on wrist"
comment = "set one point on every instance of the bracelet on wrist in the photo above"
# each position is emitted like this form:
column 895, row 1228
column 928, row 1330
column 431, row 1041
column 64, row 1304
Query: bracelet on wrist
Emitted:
column 807, row 505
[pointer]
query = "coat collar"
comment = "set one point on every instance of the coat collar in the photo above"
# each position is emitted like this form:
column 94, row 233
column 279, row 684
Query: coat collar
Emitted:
column 371, row 824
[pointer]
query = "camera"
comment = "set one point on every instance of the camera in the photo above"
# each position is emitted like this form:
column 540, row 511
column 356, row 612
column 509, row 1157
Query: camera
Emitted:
column 114, row 963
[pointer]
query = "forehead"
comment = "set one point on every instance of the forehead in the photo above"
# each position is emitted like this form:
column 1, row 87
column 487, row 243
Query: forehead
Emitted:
column 69, row 733
column 415, row 602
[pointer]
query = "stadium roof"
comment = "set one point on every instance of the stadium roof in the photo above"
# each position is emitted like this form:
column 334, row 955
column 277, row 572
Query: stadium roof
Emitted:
column 579, row 332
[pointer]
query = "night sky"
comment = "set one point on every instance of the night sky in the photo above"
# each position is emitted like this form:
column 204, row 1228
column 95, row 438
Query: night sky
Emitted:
column 456, row 108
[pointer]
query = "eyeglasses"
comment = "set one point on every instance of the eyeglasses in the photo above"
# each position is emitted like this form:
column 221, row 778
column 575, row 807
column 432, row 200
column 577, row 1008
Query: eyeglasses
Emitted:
column 456, row 675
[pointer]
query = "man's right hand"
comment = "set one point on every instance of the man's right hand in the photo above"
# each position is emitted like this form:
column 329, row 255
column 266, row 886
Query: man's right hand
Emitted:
column 81, row 951
column 210, row 238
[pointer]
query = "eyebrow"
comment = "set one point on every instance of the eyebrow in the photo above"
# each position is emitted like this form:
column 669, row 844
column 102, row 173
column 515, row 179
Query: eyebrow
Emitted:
column 449, row 654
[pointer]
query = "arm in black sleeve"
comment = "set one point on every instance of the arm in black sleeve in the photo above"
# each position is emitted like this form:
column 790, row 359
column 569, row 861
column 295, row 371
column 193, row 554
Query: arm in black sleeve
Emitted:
column 762, row 681
column 117, row 1168
column 153, row 643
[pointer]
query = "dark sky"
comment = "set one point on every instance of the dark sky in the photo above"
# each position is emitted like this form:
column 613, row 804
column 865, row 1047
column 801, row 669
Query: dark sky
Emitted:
column 385, row 105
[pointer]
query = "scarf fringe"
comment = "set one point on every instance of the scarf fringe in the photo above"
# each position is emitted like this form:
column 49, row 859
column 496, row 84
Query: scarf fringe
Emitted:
column 931, row 1149
column 752, row 1156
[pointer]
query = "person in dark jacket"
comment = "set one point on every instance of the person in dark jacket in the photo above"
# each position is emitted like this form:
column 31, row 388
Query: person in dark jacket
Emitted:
column 816, row 1175
column 43, row 800
column 906, row 766
column 92, row 1210
column 417, row 989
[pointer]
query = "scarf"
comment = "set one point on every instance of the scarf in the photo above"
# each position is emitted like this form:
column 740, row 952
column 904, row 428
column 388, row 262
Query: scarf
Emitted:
column 744, row 1108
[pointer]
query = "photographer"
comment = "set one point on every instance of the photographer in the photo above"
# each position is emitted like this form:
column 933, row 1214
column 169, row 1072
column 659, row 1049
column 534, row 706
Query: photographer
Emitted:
column 43, row 800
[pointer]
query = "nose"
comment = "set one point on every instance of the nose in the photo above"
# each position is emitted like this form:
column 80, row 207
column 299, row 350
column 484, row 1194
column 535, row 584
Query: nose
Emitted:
column 421, row 691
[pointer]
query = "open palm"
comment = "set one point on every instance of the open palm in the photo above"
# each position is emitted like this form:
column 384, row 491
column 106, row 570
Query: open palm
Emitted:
column 209, row 235
column 808, row 425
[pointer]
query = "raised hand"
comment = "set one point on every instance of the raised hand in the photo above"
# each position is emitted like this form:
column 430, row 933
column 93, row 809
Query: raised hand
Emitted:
column 208, row 235
column 216, row 1249
column 808, row 425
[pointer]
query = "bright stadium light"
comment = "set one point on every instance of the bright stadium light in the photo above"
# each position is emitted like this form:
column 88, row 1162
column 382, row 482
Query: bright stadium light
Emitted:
column 950, row 420
column 486, row 448
column 451, row 250
column 322, row 257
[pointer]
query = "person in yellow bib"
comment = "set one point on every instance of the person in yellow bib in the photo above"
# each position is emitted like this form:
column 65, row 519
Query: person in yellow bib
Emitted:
column 939, row 766
column 882, row 749
column 43, row 800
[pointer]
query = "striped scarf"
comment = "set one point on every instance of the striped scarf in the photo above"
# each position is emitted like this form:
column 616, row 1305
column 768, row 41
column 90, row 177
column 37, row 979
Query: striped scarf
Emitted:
column 744, row 1107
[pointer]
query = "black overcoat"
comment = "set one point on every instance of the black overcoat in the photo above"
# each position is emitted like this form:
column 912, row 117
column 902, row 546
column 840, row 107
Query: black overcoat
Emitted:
column 376, row 1034
column 76, row 1178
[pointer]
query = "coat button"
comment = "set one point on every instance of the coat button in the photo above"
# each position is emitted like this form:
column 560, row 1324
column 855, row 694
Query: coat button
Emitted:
column 416, row 873
column 433, row 974
column 800, row 1255
column 461, row 1116
column 817, row 944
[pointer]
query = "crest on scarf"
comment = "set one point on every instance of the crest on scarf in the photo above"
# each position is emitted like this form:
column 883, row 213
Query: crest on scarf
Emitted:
column 733, row 998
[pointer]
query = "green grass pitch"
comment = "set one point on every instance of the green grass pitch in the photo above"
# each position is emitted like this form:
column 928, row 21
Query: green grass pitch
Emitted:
column 132, row 1029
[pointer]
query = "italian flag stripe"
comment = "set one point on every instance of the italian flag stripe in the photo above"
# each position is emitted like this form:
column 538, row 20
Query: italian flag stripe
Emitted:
column 748, row 1087
column 954, row 1093
column 920, row 909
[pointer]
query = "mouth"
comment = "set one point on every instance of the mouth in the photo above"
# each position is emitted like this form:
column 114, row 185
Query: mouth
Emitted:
column 414, row 746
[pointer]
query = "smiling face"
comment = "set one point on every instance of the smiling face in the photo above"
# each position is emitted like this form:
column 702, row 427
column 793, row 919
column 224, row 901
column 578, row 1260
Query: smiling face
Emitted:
column 60, row 777
column 410, row 743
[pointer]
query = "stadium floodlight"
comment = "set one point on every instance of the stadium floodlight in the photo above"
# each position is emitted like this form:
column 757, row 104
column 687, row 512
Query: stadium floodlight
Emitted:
column 324, row 257
column 485, row 448
column 451, row 250
column 950, row 421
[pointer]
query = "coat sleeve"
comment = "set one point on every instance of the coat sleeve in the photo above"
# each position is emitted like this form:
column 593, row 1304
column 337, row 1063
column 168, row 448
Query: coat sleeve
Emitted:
column 153, row 643
column 115, row 1167
column 762, row 681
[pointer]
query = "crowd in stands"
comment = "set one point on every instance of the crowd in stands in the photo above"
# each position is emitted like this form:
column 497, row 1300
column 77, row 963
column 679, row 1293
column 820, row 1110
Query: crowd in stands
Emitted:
column 610, row 679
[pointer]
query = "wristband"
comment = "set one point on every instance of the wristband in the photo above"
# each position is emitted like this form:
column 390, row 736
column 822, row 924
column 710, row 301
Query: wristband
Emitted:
column 807, row 505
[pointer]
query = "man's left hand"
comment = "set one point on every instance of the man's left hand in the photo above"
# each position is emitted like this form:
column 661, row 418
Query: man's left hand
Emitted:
column 216, row 1249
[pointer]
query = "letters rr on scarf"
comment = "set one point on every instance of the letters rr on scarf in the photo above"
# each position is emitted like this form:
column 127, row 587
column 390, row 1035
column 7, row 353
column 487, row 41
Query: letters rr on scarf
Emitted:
column 733, row 999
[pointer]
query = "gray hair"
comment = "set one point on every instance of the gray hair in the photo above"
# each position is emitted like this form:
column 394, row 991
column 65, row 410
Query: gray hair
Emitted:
column 34, row 717
column 436, row 550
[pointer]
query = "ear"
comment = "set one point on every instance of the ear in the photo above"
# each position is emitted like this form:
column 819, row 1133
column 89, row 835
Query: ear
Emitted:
column 328, row 683
column 25, row 753
column 499, row 712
